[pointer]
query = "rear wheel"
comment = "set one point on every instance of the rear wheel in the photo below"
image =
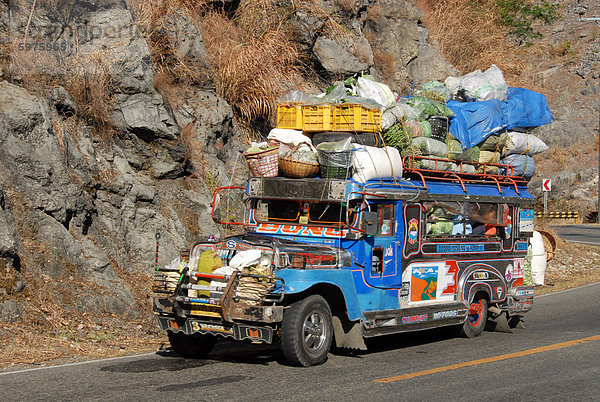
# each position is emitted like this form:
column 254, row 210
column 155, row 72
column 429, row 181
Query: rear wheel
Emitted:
column 193, row 346
column 307, row 331
column 476, row 319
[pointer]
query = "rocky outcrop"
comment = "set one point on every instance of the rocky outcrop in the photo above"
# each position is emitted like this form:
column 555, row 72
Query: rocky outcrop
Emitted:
column 80, row 204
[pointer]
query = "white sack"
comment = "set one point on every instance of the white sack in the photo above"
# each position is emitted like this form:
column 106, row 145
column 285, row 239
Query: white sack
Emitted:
column 291, row 138
column 376, row 163
column 245, row 258
column 522, row 143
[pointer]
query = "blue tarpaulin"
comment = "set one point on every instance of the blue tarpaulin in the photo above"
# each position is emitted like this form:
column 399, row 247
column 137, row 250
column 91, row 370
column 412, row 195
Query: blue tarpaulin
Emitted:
column 475, row 121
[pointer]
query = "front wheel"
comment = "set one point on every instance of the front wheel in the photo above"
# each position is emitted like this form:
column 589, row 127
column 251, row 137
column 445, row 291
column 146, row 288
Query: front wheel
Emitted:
column 307, row 331
column 194, row 346
column 476, row 319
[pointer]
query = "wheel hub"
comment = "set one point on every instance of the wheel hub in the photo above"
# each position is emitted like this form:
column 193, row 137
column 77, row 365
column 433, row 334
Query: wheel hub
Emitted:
column 314, row 331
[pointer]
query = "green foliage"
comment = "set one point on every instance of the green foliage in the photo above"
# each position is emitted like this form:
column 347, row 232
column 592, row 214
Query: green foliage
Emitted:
column 519, row 15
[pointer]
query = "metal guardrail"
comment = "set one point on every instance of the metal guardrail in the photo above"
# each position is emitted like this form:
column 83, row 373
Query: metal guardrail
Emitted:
column 558, row 215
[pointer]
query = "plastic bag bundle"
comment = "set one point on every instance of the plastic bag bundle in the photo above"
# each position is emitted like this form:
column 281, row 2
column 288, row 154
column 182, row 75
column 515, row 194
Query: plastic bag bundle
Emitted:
column 426, row 107
column 436, row 165
column 397, row 113
column 435, row 91
column 483, row 86
column 522, row 143
column 454, row 149
column 522, row 165
column 301, row 153
column 413, row 128
column 429, row 146
column 379, row 92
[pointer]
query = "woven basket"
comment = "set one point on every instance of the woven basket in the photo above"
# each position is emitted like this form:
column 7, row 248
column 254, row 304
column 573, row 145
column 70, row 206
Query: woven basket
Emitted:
column 264, row 163
column 298, row 169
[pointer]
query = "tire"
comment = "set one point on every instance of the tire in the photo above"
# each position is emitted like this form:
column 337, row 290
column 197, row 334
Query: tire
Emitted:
column 307, row 332
column 476, row 319
column 194, row 346
column 368, row 139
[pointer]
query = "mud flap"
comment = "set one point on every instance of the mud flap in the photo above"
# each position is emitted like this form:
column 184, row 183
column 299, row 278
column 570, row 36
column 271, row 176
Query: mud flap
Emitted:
column 497, row 321
column 347, row 334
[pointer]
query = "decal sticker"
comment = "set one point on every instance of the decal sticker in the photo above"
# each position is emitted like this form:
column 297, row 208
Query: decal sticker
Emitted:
column 526, row 220
column 481, row 275
column 413, row 319
column 231, row 244
column 521, row 246
column 460, row 248
column 413, row 231
column 519, row 267
column 509, row 273
column 440, row 315
column 196, row 326
column 499, row 291
column 405, row 289
column 424, row 283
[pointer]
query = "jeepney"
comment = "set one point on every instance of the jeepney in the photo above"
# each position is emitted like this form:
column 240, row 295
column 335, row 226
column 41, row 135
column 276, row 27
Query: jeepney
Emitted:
column 336, row 260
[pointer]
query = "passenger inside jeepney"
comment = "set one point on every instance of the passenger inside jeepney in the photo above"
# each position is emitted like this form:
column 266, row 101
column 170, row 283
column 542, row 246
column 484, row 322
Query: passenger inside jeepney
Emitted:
column 485, row 221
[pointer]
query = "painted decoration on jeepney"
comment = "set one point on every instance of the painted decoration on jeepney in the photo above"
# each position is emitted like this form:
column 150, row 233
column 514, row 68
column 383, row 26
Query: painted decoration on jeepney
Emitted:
column 508, row 227
column 298, row 230
column 231, row 244
column 431, row 281
column 509, row 273
column 413, row 231
column 424, row 283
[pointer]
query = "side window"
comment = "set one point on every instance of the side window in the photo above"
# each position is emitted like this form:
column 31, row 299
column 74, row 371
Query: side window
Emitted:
column 386, row 220
column 448, row 219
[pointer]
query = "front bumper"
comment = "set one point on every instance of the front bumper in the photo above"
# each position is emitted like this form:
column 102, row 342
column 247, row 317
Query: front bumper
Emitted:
column 236, row 331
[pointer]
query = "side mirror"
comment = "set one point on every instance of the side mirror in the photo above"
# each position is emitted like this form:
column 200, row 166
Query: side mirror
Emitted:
column 217, row 215
column 371, row 223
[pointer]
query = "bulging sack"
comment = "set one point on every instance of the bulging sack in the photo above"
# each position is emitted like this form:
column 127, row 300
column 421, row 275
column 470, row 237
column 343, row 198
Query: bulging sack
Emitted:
column 522, row 165
column 522, row 143
column 376, row 163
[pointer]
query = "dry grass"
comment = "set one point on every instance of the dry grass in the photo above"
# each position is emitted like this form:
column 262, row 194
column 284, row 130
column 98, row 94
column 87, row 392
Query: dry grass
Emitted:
column 470, row 39
column 87, row 79
column 251, row 68
column 89, row 83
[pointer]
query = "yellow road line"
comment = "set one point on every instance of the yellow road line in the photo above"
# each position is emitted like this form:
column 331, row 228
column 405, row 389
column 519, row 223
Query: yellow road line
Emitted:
column 491, row 359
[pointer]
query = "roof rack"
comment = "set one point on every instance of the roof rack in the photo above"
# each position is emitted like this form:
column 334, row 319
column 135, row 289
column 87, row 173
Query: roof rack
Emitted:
column 412, row 166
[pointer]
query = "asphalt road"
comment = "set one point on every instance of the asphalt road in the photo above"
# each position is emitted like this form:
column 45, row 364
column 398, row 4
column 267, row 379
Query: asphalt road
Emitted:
column 556, row 357
column 586, row 234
